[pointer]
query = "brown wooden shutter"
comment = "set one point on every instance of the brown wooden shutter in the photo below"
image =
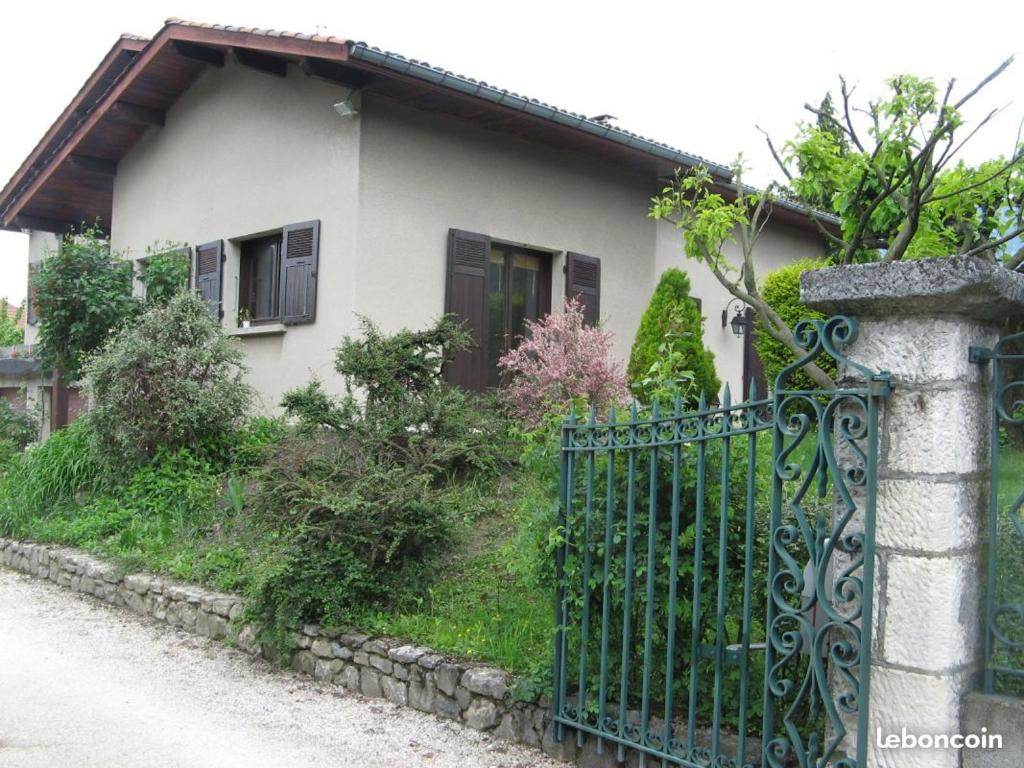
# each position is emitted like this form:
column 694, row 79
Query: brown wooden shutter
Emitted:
column 583, row 280
column 209, row 273
column 32, row 311
column 300, row 251
column 466, row 298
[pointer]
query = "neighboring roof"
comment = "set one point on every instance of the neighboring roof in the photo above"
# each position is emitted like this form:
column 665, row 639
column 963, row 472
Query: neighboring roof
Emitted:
column 68, row 177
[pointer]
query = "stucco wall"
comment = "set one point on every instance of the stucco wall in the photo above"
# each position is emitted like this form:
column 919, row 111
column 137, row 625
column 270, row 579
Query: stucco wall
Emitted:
column 778, row 245
column 39, row 243
column 422, row 173
column 243, row 153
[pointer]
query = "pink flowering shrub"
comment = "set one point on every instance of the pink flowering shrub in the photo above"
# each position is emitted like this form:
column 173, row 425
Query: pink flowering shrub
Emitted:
column 562, row 361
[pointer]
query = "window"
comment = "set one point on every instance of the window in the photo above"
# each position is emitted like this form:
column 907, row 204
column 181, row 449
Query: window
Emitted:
column 517, row 292
column 259, row 271
column 493, row 289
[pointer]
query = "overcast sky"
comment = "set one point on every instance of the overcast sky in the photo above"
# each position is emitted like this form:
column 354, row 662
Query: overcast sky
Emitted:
column 699, row 76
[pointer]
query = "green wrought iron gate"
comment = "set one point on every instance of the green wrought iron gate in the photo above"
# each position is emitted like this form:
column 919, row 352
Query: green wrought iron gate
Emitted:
column 1004, row 588
column 715, row 571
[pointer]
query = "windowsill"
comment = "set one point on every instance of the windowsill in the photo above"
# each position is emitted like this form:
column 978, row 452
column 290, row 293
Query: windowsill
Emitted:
column 266, row 329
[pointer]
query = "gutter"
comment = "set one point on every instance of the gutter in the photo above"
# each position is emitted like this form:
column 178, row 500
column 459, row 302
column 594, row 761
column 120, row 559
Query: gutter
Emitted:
column 482, row 90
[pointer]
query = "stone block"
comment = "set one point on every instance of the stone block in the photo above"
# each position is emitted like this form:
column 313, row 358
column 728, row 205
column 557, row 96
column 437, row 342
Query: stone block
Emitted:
column 924, row 349
column 447, row 675
column 220, row 605
column 385, row 665
column 463, row 697
column 379, row 646
column 928, row 514
column 994, row 715
column 326, row 669
column 394, row 690
column 211, row 625
column 369, row 683
column 361, row 658
column 321, row 646
column 446, row 706
column 348, row 677
column 932, row 611
column 340, row 651
column 482, row 714
column 430, row 660
column 422, row 694
column 923, row 704
column 310, row 630
column 936, row 432
column 137, row 582
column 400, row 672
column 406, row 654
column 304, row 662
column 354, row 640
column 487, row 681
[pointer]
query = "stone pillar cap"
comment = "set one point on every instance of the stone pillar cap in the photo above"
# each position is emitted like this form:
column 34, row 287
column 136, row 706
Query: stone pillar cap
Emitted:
column 953, row 285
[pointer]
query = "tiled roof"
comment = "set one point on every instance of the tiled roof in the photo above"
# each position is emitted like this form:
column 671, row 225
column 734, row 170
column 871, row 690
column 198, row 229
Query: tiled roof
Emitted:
column 479, row 88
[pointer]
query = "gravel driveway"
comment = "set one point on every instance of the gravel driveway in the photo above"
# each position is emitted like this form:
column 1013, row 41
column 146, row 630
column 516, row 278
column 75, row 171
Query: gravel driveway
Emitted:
column 85, row 685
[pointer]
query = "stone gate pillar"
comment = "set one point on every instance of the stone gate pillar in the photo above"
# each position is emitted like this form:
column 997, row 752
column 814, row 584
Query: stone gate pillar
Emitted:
column 917, row 320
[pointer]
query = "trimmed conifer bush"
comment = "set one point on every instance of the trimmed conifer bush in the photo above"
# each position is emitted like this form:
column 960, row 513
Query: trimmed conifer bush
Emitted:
column 672, row 317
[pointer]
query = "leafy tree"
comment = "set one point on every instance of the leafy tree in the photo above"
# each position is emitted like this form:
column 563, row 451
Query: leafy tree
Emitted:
column 170, row 380
column 164, row 273
column 83, row 292
column 888, row 179
column 672, row 319
column 10, row 334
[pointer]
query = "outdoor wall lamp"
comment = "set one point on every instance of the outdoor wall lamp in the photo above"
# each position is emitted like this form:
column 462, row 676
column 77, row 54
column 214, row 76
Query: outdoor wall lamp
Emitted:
column 739, row 320
column 350, row 106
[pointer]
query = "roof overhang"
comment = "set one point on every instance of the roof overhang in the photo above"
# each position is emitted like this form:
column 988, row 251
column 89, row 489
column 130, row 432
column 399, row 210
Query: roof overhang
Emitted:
column 68, row 178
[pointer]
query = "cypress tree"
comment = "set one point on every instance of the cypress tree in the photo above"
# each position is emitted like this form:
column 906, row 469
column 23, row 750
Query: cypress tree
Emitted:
column 672, row 314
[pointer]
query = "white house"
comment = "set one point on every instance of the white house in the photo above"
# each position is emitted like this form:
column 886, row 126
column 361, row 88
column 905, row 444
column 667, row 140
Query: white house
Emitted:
column 317, row 179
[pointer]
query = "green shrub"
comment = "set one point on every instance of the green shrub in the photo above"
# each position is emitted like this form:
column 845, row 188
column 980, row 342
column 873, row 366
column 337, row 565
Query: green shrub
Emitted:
column 165, row 272
column 10, row 333
column 672, row 328
column 781, row 290
column 48, row 476
column 367, row 493
column 172, row 379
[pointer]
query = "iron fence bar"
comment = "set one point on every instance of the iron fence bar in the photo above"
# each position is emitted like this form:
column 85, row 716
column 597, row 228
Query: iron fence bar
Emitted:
column 775, row 516
column 606, row 584
column 723, row 542
column 561, row 593
column 628, row 599
column 991, row 566
column 748, row 566
column 581, row 691
column 868, row 573
column 691, row 715
column 652, row 540
column 670, row 652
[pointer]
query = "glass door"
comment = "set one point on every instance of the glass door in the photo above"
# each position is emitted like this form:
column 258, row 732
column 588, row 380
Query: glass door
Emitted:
column 518, row 285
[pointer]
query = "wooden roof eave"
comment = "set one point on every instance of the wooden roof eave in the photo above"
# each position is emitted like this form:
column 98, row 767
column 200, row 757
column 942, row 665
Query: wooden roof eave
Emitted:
column 282, row 46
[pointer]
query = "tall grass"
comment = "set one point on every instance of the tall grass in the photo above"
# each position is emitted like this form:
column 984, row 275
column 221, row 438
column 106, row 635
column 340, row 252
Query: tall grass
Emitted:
column 47, row 477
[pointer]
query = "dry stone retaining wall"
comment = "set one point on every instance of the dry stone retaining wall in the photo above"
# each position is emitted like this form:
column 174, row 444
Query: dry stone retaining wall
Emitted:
column 407, row 675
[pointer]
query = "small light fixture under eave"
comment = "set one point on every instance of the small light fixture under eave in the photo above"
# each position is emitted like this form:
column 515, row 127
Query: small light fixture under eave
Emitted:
column 739, row 320
column 349, row 107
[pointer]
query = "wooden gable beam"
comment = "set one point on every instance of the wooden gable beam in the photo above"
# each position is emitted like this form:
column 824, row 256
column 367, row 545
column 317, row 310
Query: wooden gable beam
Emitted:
column 136, row 113
column 94, row 164
column 332, row 72
column 42, row 224
column 261, row 62
column 201, row 53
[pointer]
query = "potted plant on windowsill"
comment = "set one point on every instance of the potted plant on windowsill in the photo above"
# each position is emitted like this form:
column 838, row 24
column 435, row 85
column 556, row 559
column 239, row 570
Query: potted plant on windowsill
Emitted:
column 244, row 318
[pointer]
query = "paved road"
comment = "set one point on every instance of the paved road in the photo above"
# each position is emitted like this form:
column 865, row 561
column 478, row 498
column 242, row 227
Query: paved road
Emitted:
column 82, row 684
